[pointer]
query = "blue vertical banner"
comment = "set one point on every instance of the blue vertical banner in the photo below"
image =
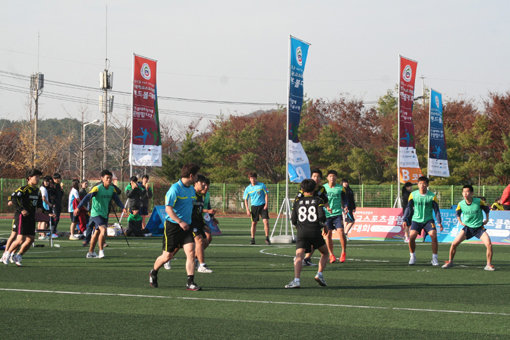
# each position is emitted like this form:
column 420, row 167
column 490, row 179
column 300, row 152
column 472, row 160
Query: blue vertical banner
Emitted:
column 438, row 160
column 299, row 166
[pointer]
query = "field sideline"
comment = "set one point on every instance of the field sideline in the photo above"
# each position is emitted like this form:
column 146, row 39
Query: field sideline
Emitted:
column 61, row 295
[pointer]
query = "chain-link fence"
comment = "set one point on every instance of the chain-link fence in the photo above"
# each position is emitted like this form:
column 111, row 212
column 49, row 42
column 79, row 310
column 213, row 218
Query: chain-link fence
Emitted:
column 228, row 198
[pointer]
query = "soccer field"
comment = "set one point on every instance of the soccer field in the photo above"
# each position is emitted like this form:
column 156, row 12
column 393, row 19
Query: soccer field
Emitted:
column 60, row 294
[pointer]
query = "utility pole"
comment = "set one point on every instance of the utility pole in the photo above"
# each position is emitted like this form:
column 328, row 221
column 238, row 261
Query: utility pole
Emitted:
column 106, row 104
column 36, row 88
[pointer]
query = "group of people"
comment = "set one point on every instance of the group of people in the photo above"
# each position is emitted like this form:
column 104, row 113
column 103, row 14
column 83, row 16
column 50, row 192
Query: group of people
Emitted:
column 41, row 206
column 316, row 207
column 185, row 226
column 419, row 212
column 317, row 211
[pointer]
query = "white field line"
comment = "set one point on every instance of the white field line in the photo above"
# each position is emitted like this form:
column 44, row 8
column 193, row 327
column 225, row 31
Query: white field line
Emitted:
column 265, row 252
column 254, row 301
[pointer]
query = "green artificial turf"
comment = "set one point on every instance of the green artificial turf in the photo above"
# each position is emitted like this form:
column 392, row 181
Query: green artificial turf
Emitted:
column 60, row 294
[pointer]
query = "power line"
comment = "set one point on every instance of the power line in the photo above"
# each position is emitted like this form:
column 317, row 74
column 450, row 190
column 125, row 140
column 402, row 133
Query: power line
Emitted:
column 89, row 88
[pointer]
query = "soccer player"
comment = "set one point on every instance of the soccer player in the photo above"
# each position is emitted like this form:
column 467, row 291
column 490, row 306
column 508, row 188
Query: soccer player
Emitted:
column 41, row 219
column 198, row 225
column 74, row 195
column 336, row 198
column 349, row 207
column 505, row 198
column 470, row 216
column 26, row 200
column 56, row 196
column 146, row 196
column 100, row 196
column 308, row 215
column 259, row 197
column 208, row 210
column 12, row 236
column 406, row 191
column 320, row 191
column 178, row 234
column 422, row 203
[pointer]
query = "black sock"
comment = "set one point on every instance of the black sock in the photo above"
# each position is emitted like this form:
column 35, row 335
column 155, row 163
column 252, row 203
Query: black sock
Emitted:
column 154, row 271
column 191, row 279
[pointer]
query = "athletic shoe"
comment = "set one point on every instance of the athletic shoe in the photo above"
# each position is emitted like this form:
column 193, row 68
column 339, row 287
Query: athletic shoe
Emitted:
column 153, row 278
column 101, row 254
column 74, row 237
column 192, row 286
column 167, row 265
column 293, row 284
column 5, row 259
column 42, row 238
column 320, row 280
column 489, row 268
column 332, row 258
column 204, row 269
column 11, row 258
column 252, row 241
column 434, row 262
column 447, row 264
column 406, row 240
column 342, row 258
column 412, row 260
column 17, row 260
column 308, row 262
column 91, row 255
column 267, row 241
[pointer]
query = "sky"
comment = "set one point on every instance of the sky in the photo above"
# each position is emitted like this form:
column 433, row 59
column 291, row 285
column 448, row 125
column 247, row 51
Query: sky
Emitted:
column 237, row 51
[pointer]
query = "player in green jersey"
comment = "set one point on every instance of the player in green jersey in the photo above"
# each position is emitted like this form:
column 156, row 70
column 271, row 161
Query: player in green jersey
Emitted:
column 470, row 216
column 419, row 214
column 100, row 195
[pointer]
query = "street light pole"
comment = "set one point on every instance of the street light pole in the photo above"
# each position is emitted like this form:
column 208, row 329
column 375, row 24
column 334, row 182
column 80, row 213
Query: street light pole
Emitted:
column 95, row 122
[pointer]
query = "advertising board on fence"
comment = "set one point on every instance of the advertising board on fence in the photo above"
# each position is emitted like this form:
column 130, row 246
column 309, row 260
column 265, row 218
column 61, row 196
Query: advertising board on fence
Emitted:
column 385, row 224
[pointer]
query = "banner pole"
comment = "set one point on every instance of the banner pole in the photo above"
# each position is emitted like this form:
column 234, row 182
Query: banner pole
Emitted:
column 397, row 200
column 428, row 148
column 132, row 116
column 287, row 211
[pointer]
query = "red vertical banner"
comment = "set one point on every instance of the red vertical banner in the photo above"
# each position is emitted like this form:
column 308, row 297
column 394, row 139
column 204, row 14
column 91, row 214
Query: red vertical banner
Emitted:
column 408, row 159
column 145, row 147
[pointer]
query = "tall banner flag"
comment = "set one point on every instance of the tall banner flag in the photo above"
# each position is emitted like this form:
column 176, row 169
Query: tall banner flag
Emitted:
column 438, row 160
column 145, row 148
column 299, row 166
column 409, row 169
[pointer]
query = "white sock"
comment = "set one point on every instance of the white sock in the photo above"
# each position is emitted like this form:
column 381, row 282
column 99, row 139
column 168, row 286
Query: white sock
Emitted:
column 412, row 254
column 319, row 274
column 434, row 256
column 296, row 279
column 202, row 264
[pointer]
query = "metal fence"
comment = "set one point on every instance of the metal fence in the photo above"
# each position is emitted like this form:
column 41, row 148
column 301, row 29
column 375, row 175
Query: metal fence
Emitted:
column 228, row 198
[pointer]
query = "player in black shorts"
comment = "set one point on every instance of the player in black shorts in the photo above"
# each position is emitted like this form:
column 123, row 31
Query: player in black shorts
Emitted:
column 197, row 227
column 320, row 192
column 26, row 199
column 308, row 216
column 6, row 256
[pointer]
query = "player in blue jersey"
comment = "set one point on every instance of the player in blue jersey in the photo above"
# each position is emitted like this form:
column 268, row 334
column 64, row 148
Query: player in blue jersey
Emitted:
column 258, row 195
column 178, row 233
